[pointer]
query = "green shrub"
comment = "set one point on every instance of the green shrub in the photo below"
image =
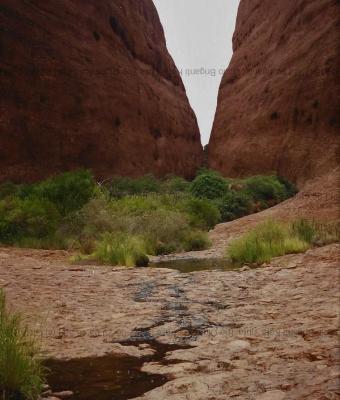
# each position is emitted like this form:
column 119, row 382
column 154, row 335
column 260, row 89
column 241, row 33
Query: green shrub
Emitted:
column 32, row 218
column 234, row 205
column 290, row 188
column 92, row 220
column 209, row 185
column 8, row 189
column 157, row 219
column 175, row 184
column 21, row 372
column 203, row 213
column 52, row 242
column 120, row 187
column 137, row 205
column 196, row 241
column 269, row 239
column 121, row 249
column 266, row 188
column 123, row 186
column 160, row 226
column 148, row 184
column 162, row 222
column 69, row 191
column 165, row 248
column 72, row 211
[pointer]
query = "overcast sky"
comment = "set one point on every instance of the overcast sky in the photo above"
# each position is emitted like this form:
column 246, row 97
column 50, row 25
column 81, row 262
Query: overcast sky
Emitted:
column 199, row 34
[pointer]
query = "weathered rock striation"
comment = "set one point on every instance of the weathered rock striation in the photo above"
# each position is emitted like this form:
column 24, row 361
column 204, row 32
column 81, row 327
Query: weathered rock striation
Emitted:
column 279, row 99
column 91, row 84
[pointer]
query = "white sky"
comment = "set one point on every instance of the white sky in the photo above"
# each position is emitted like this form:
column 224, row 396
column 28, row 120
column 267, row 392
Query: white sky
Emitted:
column 199, row 35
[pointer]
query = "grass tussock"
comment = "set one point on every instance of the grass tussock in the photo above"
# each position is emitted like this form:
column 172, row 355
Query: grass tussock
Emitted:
column 272, row 239
column 122, row 250
column 21, row 372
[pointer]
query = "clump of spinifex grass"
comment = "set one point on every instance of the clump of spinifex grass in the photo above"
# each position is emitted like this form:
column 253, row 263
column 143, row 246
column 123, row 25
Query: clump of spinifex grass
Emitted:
column 272, row 239
column 122, row 250
column 21, row 371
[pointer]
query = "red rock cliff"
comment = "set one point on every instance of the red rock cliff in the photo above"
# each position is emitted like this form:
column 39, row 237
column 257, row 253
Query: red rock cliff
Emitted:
column 90, row 84
column 278, row 105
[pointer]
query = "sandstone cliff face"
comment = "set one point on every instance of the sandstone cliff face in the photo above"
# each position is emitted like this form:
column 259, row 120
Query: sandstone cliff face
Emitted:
column 90, row 84
column 278, row 105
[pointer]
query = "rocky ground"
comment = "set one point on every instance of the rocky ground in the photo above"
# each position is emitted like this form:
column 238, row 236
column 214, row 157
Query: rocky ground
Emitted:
column 263, row 334
column 269, row 333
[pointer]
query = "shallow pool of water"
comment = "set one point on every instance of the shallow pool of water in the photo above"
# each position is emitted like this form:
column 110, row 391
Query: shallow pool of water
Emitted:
column 102, row 378
column 198, row 264
column 109, row 377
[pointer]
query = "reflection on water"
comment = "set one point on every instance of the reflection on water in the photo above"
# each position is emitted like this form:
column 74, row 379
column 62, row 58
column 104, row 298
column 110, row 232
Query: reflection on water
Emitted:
column 102, row 378
column 110, row 377
column 191, row 265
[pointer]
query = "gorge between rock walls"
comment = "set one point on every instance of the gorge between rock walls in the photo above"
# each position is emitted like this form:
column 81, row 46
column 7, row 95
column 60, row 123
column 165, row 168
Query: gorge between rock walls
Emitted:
column 95, row 87
column 82, row 87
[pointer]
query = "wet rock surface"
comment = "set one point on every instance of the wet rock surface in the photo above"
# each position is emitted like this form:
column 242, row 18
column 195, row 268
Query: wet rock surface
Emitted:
column 268, row 333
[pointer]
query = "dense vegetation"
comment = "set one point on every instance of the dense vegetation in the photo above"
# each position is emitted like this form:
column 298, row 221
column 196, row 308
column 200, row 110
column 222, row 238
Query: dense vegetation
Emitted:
column 21, row 372
column 272, row 239
column 122, row 220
